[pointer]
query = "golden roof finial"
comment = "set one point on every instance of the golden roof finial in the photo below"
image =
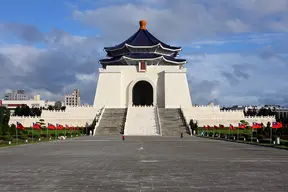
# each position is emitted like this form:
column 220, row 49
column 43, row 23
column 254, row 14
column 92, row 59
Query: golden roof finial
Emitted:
column 142, row 24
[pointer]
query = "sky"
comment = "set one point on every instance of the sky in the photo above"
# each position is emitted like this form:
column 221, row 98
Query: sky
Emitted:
column 236, row 50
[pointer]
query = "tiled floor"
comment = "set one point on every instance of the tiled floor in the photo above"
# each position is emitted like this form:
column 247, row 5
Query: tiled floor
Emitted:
column 142, row 164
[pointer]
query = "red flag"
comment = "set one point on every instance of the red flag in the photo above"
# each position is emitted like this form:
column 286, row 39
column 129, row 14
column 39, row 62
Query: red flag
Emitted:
column 36, row 126
column 59, row 127
column 231, row 127
column 19, row 126
column 51, row 126
column 215, row 127
column 277, row 125
column 256, row 126
column 241, row 126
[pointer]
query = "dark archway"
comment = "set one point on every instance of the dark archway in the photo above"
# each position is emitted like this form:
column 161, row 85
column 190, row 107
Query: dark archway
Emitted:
column 142, row 93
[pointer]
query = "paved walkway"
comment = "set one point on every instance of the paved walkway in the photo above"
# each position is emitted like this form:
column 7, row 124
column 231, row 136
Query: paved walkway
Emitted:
column 142, row 164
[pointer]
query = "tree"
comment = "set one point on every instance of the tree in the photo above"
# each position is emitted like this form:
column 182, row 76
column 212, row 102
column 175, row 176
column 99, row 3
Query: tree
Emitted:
column 63, row 108
column 25, row 110
column 4, row 115
column 58, row 105
column 36, row 112
column 13, row 130
column 50, row 107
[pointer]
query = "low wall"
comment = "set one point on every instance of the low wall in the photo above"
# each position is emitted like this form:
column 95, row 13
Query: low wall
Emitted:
column 212, row 115
column 28, row 121
column 72, row 116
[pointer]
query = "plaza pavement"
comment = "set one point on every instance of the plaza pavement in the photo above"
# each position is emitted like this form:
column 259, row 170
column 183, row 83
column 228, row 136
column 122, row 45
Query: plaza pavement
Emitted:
column 142, row 164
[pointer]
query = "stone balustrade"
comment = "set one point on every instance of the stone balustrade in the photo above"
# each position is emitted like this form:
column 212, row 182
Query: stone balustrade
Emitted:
column 142, row 106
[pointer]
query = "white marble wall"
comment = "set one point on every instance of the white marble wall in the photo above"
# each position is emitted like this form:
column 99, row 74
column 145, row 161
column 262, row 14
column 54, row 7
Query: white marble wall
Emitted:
column 73, row 116
column 212, row 115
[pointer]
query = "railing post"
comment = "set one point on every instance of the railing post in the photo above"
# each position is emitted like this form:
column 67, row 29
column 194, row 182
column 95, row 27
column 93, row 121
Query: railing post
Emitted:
column 185, row 121
column 158, row 120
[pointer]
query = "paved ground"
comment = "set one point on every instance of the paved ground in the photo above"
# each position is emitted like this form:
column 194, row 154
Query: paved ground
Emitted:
column 142, row 164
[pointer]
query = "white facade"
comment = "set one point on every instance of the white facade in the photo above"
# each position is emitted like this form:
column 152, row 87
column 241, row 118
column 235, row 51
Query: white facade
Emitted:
column 115, row 86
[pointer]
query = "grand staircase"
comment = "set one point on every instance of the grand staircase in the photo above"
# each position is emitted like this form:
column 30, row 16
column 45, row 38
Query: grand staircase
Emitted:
column 172, row 122
column 141, row 121
column 112, row 121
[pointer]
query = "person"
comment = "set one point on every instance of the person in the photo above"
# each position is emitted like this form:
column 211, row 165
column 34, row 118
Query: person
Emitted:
column 181, row 135
column 123, row 137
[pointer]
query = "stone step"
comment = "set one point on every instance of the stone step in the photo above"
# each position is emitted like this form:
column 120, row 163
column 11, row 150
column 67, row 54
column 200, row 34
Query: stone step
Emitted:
column 111, row 122
column 171, row 122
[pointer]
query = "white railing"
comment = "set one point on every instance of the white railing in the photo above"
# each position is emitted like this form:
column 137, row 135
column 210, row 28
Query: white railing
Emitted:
column 187, row 123
column 158, row 123
column 124, row 124
column 98, row 118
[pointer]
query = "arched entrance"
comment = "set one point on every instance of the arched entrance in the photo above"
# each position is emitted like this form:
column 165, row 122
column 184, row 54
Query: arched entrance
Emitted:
column 142, row 93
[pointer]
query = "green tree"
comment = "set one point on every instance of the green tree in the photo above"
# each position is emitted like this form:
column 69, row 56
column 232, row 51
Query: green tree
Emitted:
column 58, row 105
column 12, row 130
column 36, row 112
column 4, row 115
column 5, row 129
column 25, row 110
column 18, row 111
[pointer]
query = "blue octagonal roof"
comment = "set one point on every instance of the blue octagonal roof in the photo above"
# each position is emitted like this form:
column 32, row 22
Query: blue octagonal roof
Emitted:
column 143, row 38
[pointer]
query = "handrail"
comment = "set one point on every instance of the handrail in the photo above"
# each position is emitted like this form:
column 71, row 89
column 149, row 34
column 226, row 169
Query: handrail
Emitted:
column 185, row 120
column 158, row 120
column 101, row 112
column 124, row 123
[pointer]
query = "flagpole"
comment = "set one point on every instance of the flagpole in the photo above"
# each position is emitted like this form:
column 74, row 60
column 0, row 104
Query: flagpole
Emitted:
column 16, row 136
column 251, row 135
column 270, row 135
column 237, row 133
column 229, row 134
column 32, row 134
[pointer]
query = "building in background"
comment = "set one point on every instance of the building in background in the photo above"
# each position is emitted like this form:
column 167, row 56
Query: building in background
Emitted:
column 16, row 95
column 73, row 99
column 37, row 98
column 19, row 97
column 12, row 104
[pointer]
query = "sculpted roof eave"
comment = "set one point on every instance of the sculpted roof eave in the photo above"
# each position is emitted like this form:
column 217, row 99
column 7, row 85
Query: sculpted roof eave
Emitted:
column 178, row 49
column 144, row 59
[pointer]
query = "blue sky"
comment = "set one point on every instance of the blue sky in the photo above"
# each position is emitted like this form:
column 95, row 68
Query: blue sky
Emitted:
column 236, row 50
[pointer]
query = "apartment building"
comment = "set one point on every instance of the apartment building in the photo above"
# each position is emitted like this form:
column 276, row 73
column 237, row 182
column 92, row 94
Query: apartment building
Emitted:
column 73, row 99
